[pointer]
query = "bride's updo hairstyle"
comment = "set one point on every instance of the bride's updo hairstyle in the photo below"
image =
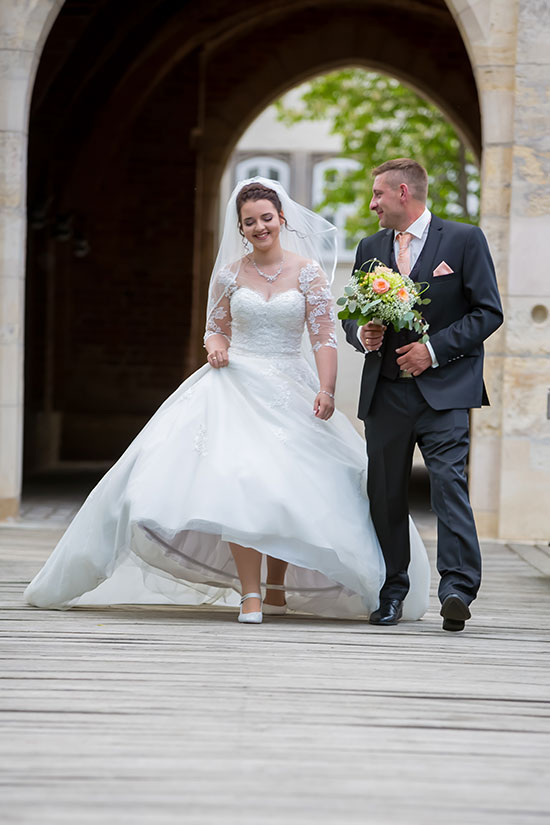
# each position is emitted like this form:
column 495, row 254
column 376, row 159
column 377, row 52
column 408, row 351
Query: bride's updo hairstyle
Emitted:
column 257, row 192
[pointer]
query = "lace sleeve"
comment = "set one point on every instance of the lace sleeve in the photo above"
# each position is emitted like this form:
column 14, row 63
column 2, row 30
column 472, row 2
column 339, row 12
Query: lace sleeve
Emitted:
column 218, row 318
column 320, row 316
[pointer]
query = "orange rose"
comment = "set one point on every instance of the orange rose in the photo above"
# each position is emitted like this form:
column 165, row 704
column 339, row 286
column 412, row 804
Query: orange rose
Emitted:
column 402, row 294
column 380, row 286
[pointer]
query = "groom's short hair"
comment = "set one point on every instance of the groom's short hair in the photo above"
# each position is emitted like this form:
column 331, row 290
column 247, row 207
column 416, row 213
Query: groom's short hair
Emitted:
column 405, row 170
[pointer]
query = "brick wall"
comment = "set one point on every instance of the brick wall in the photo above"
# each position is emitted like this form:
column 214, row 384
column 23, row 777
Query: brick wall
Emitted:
column 121, row 315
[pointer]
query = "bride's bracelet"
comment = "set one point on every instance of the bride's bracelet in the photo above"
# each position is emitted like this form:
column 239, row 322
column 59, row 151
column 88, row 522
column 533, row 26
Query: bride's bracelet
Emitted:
column 330, row 394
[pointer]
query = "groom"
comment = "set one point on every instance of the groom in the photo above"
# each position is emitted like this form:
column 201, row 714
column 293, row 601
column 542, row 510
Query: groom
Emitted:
column 414, row 393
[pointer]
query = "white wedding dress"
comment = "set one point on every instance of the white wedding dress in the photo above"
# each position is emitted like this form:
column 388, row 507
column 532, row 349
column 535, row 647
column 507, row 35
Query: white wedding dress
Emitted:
column 236, row 455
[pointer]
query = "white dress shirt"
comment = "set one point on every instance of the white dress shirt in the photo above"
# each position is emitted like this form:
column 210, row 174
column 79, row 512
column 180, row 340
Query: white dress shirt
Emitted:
column 419, row 231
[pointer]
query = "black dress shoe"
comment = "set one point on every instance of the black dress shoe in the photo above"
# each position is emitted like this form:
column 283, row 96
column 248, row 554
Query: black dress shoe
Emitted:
column 389, row 612
column 455, row 611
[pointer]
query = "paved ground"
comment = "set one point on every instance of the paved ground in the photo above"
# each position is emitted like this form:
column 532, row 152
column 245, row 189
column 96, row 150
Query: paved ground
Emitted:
column 154, row 716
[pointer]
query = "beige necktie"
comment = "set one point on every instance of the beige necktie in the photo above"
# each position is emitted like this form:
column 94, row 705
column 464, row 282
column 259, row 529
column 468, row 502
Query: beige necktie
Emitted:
column 404, row 257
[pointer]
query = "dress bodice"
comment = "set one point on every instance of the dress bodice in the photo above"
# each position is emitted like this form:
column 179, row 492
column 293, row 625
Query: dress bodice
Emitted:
column 267, row 327
column 257, row 325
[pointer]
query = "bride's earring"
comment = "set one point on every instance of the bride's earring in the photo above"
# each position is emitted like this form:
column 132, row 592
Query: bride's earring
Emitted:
column 245, row 243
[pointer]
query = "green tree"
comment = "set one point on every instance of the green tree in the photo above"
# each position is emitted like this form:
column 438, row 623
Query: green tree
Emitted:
column 379, row 118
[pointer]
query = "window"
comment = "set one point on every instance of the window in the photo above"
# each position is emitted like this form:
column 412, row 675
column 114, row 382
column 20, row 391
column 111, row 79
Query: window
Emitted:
column 272, row 168
column 325, row 173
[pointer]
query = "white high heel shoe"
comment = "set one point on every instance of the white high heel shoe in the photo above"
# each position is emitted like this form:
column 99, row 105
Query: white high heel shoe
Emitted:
column 274, row 609
column 250, row 618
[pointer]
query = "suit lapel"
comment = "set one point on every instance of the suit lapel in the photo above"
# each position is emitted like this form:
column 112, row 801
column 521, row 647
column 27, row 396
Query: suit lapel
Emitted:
column 425, row 264
column 435, row 233
column 386, row 248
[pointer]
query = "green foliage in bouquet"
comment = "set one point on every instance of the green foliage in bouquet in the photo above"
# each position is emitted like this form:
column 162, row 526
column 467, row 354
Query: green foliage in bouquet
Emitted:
column 386, row 297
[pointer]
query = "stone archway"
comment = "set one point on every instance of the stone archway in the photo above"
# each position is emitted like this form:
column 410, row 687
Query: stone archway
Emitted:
column 237, row 61
column 123, row 280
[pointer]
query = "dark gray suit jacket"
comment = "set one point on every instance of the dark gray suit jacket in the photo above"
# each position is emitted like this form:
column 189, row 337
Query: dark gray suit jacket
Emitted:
column 465, row 309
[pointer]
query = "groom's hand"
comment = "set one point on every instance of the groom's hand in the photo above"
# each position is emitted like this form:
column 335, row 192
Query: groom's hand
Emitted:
column 371, row 336
column 415, row 358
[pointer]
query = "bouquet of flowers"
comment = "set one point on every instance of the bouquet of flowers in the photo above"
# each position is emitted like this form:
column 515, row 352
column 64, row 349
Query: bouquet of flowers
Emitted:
column 385, row 297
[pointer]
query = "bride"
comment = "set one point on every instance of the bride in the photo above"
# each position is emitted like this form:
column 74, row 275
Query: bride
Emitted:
column 245, row 478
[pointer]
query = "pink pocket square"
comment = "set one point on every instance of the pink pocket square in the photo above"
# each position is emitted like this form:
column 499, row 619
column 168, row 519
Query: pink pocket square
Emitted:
column 442, row 269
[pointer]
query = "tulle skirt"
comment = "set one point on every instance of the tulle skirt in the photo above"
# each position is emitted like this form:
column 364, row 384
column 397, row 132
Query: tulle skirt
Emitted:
column 234, row 455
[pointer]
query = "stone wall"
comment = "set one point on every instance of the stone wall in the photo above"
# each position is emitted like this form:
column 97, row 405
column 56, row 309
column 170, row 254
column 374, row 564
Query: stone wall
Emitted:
column 109, row 279
column 523, row 503
column 509, row 43
column 23, row 29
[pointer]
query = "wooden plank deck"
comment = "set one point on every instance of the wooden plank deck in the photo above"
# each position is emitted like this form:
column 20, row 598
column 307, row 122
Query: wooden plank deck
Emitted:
column 161, row 715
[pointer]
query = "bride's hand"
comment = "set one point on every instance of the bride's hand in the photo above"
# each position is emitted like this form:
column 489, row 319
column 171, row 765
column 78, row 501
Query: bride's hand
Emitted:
column 323, row 406
column 218, row 358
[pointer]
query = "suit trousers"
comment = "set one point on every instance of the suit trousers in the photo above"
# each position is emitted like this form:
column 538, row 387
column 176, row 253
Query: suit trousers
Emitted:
column 399, row 418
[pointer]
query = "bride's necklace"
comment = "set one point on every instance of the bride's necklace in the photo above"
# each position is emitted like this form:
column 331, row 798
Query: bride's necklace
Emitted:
column 269, row 278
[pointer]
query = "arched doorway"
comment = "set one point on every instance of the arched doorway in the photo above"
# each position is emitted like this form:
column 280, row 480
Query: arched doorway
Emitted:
column 134, row 114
